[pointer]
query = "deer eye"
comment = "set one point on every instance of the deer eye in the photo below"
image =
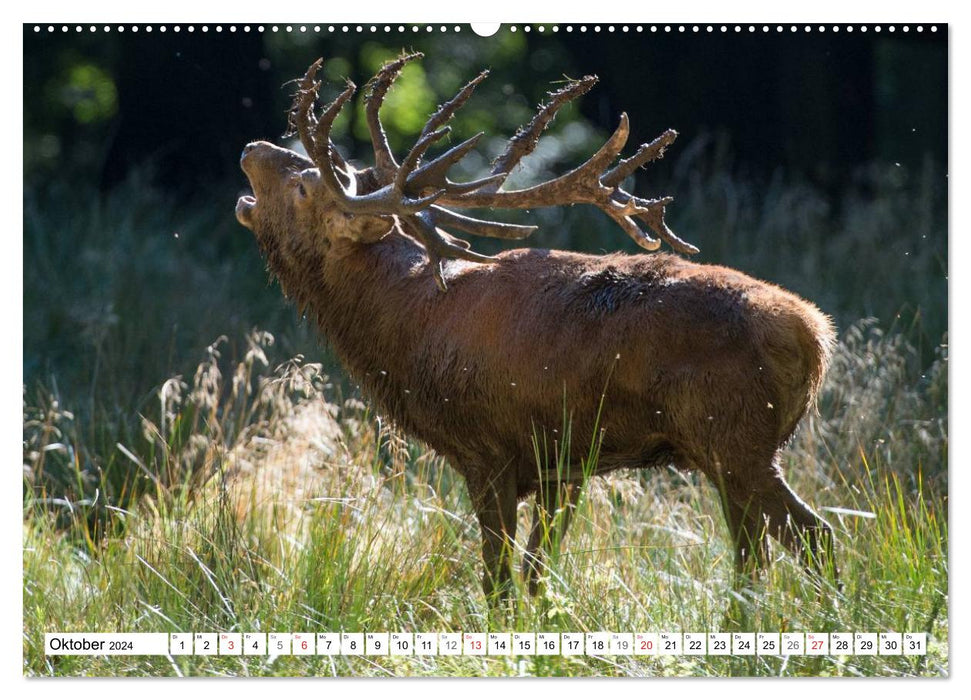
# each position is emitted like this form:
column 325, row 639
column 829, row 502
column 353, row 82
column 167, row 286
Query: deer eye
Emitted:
column 306, row 181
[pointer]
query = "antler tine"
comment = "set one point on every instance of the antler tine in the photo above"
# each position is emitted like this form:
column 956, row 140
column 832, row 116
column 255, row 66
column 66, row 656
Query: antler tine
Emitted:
column 324, row 150
column 654, row 218
column 582, row 184
column 446, row 110
column 525, row 140
column 414, row 155
column 644, row 240
column 456, row 189
column 479, row 227
column 438, row 244
column 377, row 88
column 432, row 173
column 315, row 135
column 606, row 154
column 301, row 119
column 647, row 153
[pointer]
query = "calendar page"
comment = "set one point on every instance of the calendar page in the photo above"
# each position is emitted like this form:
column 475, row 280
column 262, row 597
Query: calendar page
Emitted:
column 485, row 350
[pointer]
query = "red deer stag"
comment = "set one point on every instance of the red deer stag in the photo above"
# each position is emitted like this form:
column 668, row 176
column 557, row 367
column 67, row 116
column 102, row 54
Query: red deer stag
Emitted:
column 667, row 361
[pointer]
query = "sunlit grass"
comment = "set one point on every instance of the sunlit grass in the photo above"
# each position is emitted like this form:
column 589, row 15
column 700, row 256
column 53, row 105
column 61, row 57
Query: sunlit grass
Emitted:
column 281, row 511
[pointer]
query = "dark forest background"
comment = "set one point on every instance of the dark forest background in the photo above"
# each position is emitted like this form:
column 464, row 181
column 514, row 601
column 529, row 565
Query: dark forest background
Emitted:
column 815, row 160
column 820, row 105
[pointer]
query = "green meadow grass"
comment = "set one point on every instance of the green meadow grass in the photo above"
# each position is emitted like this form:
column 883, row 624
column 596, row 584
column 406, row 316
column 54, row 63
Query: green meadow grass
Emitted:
column 264, row 507
column 252, row 490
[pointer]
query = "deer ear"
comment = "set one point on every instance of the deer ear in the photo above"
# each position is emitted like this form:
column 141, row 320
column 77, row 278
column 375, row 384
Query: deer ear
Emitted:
column 312, row 180
column 368, row 229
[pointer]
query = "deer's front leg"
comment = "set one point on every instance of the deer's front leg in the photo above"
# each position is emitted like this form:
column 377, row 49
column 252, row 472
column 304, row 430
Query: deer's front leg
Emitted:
column 552, row 513
column 495, row 505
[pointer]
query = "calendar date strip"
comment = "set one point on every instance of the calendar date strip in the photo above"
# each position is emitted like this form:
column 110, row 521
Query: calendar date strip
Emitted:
column 486, row 644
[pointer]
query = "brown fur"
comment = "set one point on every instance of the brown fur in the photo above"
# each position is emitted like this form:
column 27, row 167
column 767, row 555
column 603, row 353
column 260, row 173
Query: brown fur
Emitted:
column 674, row 362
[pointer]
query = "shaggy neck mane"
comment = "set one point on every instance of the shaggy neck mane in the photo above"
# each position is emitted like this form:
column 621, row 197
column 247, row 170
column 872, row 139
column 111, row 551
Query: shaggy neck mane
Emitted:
column 373, row 338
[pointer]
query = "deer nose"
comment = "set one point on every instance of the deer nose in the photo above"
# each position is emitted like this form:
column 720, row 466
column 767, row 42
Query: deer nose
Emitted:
column 249, row 148
column 251, row 155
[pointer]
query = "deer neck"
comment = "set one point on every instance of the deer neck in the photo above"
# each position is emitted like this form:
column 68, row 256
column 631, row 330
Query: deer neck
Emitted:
column 377, row 302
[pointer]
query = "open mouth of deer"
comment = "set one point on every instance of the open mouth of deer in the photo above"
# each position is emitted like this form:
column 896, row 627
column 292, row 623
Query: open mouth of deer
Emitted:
column 245, row 204
column 244, row 210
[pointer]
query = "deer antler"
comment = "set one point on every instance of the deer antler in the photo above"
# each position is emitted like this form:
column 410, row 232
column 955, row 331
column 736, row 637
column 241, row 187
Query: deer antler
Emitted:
column 420, row 195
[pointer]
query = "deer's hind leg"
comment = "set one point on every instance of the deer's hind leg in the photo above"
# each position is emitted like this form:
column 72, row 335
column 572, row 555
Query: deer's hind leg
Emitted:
column 743, row 515
column 799, row 528
column 746, row 525
column 552, row 514
column 758, row 503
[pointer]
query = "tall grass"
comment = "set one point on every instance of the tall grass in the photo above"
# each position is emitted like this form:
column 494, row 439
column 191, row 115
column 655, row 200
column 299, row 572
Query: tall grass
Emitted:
column 124, row 289
column 175, row 481
column 283, row 511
